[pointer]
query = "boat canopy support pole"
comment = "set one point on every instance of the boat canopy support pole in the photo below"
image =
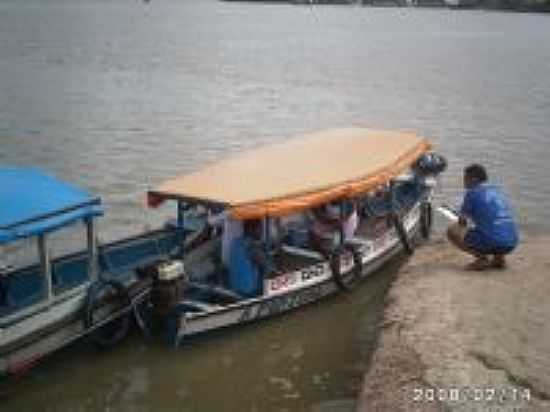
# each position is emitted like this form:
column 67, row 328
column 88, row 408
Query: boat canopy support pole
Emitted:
column 92, row 248
column 393, row 197
column 180, row 231
column 267, row 244
column 44, row 253
column 342, row 217
column 180, row 216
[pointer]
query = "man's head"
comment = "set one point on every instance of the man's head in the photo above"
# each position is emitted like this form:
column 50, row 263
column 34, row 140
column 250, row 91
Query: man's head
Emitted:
column 474, row 175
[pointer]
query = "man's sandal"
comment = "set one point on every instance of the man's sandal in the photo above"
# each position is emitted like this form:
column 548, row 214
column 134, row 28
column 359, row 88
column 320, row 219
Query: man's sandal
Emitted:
column 479, row 264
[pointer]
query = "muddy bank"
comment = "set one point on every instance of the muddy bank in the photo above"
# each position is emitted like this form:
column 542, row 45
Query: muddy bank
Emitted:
column 454, row 340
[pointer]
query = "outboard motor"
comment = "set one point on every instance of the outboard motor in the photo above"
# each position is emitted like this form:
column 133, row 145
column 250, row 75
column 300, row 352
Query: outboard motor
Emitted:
column 168, row 286
column 430, row 164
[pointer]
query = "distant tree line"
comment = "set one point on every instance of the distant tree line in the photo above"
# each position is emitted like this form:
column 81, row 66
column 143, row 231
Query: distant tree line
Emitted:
column 513, row 5
column 520, row 5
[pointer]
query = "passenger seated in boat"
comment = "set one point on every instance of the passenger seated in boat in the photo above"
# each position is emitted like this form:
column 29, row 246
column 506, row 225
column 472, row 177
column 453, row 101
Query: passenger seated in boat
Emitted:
column 231, row 229
column 292, row 229
column 328, row 223
column 247, row 260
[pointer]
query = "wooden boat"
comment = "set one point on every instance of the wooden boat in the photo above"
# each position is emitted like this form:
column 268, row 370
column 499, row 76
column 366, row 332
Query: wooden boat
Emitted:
column 382, row 173
column 55, row 300
column 176, row 280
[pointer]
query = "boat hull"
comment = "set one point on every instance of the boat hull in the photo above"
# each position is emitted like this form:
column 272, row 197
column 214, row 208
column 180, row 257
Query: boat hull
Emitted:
column 24, row 342
column 29, row 334
column 373, row 256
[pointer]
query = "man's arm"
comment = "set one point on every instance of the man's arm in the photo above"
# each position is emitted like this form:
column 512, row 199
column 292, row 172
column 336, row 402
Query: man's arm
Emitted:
column 466, row 209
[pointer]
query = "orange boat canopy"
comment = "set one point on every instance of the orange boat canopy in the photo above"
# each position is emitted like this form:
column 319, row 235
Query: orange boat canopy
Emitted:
column 300, row 173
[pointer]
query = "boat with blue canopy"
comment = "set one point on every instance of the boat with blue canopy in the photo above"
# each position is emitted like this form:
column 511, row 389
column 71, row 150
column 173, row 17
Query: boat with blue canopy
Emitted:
column 48, row 300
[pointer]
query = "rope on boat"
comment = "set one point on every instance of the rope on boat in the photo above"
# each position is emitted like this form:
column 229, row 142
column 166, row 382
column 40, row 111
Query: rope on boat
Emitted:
column 114, row 331
column 335, row 264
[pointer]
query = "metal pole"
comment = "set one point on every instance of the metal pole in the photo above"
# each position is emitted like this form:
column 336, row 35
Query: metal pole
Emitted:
column 46, row 264
column 342, row 216
column 180, row 228
column 393, row 198
column 267, row 243
column 180, row 216
column 92, row 249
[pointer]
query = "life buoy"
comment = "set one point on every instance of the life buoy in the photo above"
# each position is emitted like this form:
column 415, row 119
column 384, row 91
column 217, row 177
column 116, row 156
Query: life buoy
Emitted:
column 426, row 219
column 335, row 263
column 107, row 335
column 402, row 233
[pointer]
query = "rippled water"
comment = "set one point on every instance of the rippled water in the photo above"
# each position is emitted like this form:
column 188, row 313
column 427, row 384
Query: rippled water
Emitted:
column 117, row 96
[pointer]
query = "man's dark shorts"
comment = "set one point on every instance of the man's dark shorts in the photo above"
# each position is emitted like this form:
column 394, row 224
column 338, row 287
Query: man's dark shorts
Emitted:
column 477, row 241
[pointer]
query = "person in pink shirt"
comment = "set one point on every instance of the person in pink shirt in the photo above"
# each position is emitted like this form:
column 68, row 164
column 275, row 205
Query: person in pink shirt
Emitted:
column 329, row 224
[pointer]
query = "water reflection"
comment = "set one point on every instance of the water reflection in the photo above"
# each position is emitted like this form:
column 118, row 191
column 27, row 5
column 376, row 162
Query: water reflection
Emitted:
column 268, row 365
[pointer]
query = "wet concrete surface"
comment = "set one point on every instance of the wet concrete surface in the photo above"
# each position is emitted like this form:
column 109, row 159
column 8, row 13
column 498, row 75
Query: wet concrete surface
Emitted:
column 457, row 340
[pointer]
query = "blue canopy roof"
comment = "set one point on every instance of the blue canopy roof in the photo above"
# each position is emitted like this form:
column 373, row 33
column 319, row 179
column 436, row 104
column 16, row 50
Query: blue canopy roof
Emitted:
column 32, row 203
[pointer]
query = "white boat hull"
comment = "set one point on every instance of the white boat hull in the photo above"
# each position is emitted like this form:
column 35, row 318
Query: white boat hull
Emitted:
column 373, row 255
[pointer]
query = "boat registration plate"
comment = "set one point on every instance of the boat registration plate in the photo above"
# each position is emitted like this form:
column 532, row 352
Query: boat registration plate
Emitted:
column 296, row 279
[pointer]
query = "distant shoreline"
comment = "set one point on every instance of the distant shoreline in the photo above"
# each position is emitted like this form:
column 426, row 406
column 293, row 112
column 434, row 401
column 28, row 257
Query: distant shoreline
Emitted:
column 518, row 6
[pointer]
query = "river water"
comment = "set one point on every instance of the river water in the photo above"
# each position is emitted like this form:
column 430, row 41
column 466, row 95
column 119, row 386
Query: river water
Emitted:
column 117, row 96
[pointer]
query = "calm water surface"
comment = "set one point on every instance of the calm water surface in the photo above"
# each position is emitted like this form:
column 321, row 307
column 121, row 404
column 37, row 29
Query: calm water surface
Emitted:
column 117, row 96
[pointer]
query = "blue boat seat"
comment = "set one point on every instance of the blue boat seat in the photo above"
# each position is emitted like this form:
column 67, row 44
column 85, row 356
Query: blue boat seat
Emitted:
column 244, row 274
column 70, row 272
column 124, row 257
column 21, row 289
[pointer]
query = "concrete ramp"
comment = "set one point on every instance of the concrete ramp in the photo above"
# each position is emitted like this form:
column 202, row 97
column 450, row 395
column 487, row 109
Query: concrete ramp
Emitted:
column 454, row 340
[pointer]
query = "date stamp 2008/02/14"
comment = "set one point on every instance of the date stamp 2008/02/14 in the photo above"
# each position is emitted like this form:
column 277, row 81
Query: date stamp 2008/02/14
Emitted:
column 496, row 395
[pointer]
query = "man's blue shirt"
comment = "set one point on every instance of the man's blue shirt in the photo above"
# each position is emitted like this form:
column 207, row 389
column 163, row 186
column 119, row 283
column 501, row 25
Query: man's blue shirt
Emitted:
column 492, row 215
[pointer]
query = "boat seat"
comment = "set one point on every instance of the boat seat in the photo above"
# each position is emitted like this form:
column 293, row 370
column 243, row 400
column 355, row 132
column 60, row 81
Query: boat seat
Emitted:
column 244, row 273
column 201, row 263
column 123, row 258
column 69, row 272
column 199, row 306
column 308, row 253
column 21, row 289
column 217, row 291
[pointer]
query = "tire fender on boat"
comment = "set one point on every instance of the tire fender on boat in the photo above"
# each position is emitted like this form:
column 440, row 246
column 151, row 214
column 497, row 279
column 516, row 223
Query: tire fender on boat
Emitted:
column 335, row 263
column 426, row 219
column 397, row 222
column 114, row 331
